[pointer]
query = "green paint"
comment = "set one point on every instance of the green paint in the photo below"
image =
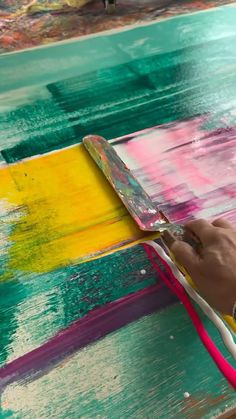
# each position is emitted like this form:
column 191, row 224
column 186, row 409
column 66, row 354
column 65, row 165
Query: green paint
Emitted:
column 137, row 372
column 41, row 305
column 44, row 65
column 143, row 77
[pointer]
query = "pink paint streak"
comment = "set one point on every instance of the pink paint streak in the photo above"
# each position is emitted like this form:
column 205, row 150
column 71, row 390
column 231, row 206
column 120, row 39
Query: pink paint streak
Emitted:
column 188, row 172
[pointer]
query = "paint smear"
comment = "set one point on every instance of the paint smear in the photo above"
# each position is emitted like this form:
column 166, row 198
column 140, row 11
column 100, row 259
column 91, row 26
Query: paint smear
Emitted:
column 70, row 212
column 97, row 324
column 188, row 172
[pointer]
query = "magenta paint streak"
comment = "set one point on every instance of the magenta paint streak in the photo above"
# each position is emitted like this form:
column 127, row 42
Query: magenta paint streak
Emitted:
column 187, row 171
column 97, row 324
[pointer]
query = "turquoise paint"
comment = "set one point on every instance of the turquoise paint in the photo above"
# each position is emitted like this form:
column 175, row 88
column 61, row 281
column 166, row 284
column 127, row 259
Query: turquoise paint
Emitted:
column 133, row 85
column 44, row 304
column 44, row 65
column 136, row 372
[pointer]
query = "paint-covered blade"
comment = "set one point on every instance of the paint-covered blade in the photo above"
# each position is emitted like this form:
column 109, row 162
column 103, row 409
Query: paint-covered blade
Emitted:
column 130, row 191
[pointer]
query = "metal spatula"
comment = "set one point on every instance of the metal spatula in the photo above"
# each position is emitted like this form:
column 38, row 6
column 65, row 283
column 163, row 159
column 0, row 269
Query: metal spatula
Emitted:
column 130, row 191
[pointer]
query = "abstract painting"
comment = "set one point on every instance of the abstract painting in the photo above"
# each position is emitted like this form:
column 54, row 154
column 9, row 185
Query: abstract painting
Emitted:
column 86, row 327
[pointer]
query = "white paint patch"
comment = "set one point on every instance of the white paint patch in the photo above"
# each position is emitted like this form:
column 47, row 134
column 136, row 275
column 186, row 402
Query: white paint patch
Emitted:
column 8, row 216
column 143, row 271
column 186, row 395
column 21, row 97
column 171, row 337
column 83, row 368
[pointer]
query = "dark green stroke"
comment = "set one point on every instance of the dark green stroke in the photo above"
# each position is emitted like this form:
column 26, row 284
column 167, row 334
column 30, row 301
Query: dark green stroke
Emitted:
column 198, row 77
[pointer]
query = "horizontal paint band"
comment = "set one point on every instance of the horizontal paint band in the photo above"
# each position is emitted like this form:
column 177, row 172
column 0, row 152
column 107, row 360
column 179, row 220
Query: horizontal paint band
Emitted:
column 97, row 324
column 144, row 76
column 65, row 211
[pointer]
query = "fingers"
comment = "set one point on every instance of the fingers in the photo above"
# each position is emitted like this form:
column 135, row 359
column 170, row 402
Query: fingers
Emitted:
column 222, row 223
column 185, row 255
column 201, row 228
column 205, row 231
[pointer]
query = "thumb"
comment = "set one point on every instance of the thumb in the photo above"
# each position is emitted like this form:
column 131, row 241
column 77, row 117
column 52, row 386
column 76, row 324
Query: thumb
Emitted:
column 185, row 255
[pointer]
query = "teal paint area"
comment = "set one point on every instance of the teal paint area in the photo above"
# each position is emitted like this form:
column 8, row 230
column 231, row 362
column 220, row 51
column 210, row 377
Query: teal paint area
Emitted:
column 42, row 66
column 136, row 372
column 36, row 307
column 143, row 77
column 34, row 118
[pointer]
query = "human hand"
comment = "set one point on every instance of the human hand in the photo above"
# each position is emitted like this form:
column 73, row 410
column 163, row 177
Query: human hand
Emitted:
column 213, row 268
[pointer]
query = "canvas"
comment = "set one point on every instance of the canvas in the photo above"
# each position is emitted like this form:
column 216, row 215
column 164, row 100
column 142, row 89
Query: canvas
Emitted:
column 82, row 334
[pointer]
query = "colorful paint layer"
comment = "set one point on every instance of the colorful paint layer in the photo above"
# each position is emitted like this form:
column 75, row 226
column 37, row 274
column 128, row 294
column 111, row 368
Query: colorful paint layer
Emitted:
column 36, row 307
column 89, row 329
column 133, row 372
column 67, row 212
column 176, row 165
column 143, row 77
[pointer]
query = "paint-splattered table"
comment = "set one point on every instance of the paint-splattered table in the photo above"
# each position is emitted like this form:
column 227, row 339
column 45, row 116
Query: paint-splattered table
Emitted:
column 101, row 339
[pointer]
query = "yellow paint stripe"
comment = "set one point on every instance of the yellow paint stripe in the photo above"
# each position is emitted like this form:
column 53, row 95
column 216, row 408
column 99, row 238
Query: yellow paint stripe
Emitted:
column 71, row 213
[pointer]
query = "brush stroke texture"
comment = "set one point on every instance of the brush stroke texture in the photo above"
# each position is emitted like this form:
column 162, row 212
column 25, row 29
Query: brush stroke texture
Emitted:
column 94, row 326
column 67, row 212
column 42, row 66
column 36, row 307
column 135, row 372
column 187, row 168
column 146, row 75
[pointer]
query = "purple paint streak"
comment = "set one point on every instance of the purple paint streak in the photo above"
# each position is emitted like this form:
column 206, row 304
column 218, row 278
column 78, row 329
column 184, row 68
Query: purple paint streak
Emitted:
column 97, row 324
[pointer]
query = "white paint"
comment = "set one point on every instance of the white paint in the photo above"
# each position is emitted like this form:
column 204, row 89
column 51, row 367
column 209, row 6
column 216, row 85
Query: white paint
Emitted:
column 143, row 271
column 171, row 337
column 186, row 395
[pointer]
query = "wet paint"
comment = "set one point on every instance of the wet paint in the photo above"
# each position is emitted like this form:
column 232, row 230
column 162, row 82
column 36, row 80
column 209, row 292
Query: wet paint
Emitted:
column 145, row 83
column 134, row 371
column 67, row 212
column 129, row 190
column 44, row 304
column 46, row 21
column 148, row 77
column 97, row 324
column 176, row 165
